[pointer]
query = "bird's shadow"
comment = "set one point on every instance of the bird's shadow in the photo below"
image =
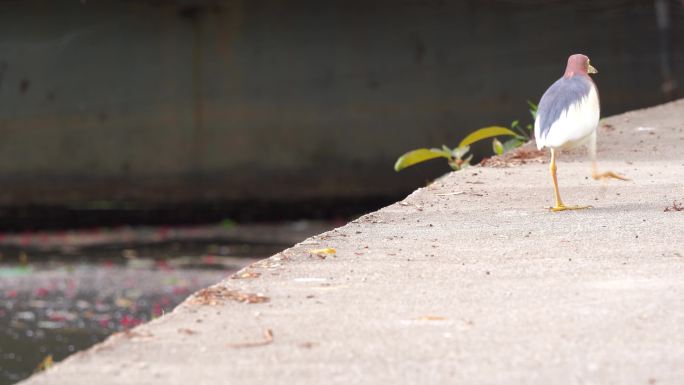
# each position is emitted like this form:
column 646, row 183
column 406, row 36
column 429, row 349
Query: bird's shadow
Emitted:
column 615, row 208
column 629, row 207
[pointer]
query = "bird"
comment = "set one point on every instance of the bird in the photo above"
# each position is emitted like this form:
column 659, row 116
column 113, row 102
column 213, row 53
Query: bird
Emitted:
column 567, row 116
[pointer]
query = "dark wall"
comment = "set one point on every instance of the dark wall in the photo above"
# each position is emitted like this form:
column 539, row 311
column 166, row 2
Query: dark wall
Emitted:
column 170, row 101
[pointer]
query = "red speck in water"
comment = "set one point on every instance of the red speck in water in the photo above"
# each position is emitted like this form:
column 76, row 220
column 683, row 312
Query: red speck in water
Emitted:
column 57, row 317
column 25, row 239
column 179, row 290
column 163, row 265
column 41, row 292
column 157, row 310
column 129, row 321
column 163, row 232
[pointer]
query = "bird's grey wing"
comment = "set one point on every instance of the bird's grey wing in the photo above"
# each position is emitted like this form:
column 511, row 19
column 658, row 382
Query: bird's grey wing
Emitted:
column 558, row 98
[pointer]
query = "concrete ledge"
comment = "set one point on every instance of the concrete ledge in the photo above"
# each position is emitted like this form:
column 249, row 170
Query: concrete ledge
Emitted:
column 468, row 280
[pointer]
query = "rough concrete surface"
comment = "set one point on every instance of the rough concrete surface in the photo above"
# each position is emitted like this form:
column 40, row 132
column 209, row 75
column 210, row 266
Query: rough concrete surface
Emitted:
column 470, row 280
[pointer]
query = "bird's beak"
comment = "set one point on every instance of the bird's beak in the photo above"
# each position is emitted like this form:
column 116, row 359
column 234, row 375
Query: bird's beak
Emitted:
column 592, row 70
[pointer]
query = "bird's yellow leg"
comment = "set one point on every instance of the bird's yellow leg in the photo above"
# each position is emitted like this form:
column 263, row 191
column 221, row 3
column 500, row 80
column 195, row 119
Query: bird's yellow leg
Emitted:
column 559, row 203
column 594, row 169
column 552, row 166
column 604, row 175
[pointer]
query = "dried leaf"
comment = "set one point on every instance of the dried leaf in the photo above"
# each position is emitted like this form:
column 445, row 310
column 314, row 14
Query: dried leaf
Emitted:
column 516, row 157
column 322, row 253
column 45, row 364
column 136, row 334
column 217, row 295
column 245, row 275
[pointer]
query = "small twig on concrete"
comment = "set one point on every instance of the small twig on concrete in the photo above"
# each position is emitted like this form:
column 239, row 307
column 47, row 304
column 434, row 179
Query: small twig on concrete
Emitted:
column 676, row 206
column 453, row 193
column 268, row 338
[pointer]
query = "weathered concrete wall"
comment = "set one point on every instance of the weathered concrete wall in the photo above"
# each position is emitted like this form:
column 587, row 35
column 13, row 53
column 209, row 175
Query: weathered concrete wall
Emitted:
column 183, row 101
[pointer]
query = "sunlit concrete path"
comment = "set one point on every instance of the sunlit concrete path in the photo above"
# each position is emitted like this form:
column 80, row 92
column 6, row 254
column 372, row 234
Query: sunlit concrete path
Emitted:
column 470, row 280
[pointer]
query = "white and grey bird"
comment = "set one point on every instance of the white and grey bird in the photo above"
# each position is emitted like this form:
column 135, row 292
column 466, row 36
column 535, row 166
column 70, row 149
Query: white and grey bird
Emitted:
column 567, row 116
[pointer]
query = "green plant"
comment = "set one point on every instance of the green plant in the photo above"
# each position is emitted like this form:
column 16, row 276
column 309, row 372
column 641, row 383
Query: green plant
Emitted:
column 456, row 157
column 524, row 134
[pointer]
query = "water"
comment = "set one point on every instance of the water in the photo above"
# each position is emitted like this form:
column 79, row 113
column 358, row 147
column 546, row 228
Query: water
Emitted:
column 59, row 308
column 65, row 296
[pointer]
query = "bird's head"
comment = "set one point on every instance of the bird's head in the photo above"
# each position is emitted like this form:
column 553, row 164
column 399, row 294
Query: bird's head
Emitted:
column 579, row 64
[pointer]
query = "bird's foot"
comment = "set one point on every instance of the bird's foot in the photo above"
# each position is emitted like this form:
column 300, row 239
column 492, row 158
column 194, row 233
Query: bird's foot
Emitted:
column 562, row 207
column 607, row 175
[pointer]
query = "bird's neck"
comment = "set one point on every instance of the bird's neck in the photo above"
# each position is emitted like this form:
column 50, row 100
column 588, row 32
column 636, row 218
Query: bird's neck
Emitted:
column 570, row 73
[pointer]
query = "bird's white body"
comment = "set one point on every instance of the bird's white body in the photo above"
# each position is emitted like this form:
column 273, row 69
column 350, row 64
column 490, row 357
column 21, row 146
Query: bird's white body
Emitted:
column 575, row 126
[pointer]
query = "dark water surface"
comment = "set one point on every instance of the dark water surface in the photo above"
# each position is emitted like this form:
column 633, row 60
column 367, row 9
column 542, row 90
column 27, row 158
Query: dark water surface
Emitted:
column 55, row 303
column 61, row 307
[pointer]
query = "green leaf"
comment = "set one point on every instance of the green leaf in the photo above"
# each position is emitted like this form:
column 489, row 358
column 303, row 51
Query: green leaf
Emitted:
column 484, row 133
column 418, row 156
column 519, row 130
column 533, row 109
column 228, row 224
column 511, row 144
column 497, row 147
